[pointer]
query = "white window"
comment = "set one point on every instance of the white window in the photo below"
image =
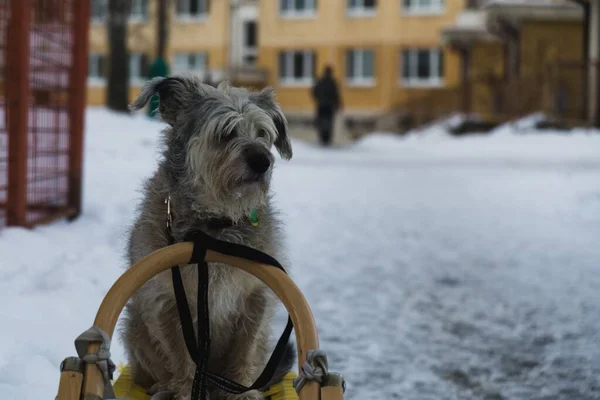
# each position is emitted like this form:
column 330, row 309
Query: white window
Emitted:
column 361, row 8
column 296, row 68
column 190, row 62
column 99, row 8
column 138, row 66
column 360, row 67
column 422, row 67
column 96, row 68
column 424, row 6
column 139, row 10
column 297, row 8
column 192, row 9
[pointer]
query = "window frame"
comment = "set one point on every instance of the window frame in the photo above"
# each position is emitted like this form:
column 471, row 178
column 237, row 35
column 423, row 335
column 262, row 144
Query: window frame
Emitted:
column 142, row 64
column 359, row 80
column 188, row 17
column 132, row 18
column 143, row 17
column 308, row 63
column 103, row 4
column 249, row 51
column 189, row 54
column 307, row 13
column 99, row 79
column 437, row 7
column 360, row 11
column 436, row 54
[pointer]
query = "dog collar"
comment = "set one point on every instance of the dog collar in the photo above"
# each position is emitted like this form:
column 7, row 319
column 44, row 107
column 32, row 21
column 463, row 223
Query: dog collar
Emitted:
column 213, row 223
column 222, row 223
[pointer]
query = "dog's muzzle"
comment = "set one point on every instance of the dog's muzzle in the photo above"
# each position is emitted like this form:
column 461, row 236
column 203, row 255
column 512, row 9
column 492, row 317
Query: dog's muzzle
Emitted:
column 258, row 160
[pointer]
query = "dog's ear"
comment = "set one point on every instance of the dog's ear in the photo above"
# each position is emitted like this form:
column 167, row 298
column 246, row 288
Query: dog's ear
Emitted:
column 172, row 92
column 265, row 99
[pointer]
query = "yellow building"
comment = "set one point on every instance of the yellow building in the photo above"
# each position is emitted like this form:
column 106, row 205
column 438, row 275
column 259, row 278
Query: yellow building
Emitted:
column 520, row 57
column 198, row 40
column 380, row 50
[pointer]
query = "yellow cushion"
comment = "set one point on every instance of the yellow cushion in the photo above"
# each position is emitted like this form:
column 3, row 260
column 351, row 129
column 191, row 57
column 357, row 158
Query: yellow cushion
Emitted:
column 125, row 389
column 283, row 390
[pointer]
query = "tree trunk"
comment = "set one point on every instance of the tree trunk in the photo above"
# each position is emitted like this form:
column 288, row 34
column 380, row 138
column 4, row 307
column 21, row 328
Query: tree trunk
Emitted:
column 162, row 39
column 117, row 97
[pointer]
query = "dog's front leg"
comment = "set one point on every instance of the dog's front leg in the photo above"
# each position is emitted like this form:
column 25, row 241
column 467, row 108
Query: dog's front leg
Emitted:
column 248, row 347
column 179, row 363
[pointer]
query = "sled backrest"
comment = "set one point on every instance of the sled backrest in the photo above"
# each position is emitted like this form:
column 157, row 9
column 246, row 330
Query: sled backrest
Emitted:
column 162, row 260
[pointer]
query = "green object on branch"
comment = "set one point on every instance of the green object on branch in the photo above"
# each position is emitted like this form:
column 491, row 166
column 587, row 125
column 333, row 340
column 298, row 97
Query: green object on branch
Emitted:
column 158, row 68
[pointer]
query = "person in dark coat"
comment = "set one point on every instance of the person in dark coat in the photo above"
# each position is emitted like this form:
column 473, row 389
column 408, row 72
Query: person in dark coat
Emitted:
column 326, row 94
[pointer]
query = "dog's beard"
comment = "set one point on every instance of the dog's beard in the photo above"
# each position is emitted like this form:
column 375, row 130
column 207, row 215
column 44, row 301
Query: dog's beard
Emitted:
column 232, row 192
column 224, row 183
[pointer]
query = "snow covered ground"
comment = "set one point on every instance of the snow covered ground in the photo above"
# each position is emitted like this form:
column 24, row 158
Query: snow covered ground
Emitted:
column 437, row 267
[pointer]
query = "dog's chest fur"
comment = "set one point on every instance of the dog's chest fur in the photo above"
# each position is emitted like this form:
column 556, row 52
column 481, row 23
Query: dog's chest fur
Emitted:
column 234, row 295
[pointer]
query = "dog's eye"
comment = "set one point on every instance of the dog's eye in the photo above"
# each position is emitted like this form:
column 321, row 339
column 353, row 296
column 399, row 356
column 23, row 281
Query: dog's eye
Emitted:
column 261, row 133
column 230, row 135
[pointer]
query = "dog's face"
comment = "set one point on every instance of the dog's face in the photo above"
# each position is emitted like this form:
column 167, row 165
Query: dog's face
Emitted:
column 221, row 138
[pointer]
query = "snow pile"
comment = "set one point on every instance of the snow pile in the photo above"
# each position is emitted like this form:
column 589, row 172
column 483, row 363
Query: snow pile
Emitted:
column 436, row 267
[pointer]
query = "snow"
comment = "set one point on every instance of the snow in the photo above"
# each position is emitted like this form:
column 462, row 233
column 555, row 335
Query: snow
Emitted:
column 437, row 267
column 532, row 3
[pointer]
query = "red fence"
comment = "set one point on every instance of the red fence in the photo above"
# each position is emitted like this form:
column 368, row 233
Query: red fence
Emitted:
column 43, row 68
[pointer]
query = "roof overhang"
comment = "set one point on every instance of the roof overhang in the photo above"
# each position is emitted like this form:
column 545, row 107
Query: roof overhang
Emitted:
column 469, row 28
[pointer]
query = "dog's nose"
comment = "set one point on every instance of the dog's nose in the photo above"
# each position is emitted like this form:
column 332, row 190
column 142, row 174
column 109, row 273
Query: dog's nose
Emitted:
column 258, row 161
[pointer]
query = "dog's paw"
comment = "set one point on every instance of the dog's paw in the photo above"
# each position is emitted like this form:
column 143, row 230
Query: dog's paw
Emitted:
column 182, row 389
column 187, row 396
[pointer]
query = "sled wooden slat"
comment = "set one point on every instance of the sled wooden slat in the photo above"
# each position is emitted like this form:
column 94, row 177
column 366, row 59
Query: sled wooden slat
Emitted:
column 178, row 254
column 332, row 393
column 70, row 385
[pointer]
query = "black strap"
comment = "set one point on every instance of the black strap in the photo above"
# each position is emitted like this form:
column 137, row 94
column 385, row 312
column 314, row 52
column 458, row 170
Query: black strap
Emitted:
column 199, row 352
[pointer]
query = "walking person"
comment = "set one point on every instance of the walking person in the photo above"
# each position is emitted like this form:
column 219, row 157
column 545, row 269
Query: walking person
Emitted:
column 326, row 94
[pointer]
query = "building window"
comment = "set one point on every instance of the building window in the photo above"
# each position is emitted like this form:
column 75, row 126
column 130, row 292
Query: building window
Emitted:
column 190, row 62
column 297, row 67
column 361, row 8
column 98, row 10
column 250, row 43
column 193, row 9
column 138, row 68
column 422, row 67
column 297, row 8
column 360, row 67
column 139, row 10
column 424, row 6
column 96, row 68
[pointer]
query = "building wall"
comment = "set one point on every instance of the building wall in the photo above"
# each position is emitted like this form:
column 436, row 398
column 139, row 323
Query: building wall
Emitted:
column 543, row 43
column 486, row 70
column 210, row 35
column 546, row 48
column 331, row 32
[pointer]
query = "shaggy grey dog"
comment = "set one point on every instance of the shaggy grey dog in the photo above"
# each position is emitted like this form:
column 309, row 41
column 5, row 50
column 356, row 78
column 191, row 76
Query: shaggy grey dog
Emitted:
column 216, row 168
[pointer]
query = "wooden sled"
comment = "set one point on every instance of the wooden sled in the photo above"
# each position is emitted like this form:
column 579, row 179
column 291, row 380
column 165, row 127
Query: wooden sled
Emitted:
column 80, row 380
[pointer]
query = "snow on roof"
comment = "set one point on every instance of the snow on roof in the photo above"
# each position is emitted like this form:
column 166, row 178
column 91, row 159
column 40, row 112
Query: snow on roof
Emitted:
column 470, row 24
column 532, row 3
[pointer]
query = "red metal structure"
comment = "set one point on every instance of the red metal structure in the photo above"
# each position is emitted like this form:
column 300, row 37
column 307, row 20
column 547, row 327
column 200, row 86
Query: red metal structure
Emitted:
column 43, row 69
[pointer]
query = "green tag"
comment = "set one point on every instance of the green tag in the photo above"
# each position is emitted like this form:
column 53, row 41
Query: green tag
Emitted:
column 254, row 217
